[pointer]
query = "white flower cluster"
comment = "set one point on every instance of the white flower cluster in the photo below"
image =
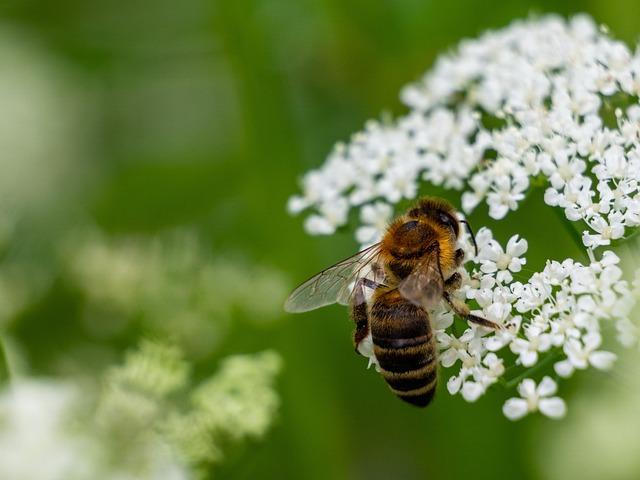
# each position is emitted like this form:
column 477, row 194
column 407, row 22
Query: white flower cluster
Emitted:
column 543, row 102
column 527, row 101
column 558, row 314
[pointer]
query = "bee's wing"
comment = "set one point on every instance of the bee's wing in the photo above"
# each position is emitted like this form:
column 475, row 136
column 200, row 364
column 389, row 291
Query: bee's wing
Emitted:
column 333, row 284
column 424, row 285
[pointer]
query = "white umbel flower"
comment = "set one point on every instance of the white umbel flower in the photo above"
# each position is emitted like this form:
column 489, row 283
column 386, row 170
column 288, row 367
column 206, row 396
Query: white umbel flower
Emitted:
column 513, row 110
column 548, row 123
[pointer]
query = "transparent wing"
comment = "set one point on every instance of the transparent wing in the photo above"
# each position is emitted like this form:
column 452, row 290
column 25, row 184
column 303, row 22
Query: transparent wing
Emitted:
column 424, row 285
column 334, row 284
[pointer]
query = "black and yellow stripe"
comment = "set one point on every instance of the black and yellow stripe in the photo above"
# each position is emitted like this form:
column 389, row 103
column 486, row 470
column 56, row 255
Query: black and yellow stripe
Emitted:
column 405, row 347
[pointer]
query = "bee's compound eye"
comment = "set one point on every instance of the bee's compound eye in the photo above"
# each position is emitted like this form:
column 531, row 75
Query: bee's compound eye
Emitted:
column 446, row 220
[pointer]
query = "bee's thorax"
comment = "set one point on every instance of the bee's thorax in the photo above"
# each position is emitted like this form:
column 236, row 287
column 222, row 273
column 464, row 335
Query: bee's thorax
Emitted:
column 408, row 240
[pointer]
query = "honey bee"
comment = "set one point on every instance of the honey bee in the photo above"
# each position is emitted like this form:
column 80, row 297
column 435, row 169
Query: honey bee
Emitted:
column 408, row 273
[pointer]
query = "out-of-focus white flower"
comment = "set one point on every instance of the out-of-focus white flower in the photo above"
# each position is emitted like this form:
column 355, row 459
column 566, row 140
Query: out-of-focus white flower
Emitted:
column 154, row 369
column 535, row 398
column 240, row 399
column 627, row 332
column 238, row 402
column 34, row 425
column 144, row 279
column 375, row 218
column 52, row 422
column 137, row 426
column 332, row 215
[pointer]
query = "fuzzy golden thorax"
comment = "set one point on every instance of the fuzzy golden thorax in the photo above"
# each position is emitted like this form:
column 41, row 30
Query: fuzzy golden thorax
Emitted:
column 432, row 223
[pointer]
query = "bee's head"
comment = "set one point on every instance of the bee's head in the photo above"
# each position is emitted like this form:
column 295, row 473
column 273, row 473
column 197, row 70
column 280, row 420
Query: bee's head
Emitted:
column 447, row 220
column 439, row 212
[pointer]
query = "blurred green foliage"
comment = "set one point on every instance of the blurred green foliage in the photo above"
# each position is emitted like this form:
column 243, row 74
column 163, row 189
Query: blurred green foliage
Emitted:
column 203, row 114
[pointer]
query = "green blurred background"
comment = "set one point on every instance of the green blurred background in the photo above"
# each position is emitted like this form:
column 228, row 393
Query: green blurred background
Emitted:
column 203, row 114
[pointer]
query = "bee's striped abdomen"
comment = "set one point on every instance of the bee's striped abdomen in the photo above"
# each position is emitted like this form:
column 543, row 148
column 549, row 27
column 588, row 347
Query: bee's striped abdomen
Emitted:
column 404, row 347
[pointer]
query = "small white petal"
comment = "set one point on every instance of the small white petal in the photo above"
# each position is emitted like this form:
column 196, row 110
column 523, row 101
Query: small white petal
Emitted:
column 442, row 320
column 471, row 391
column 553, row 407
column 516, row 246
column 564, row 368
column 448, row 358
column 528, row 358
column 454, row 384
column 527, row 388
column 495, row 343
column 317, row 225
column 515, row 408
column 602, row 360
column 296, row 204
column 592, row 340
column 547, row 387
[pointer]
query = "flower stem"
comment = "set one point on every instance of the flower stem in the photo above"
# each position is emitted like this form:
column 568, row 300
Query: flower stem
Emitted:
column 5, row 375
column 546, row 361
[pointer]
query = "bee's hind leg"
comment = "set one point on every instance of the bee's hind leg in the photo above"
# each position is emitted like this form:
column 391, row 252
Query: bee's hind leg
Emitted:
column 461, row 309
column 359, row 313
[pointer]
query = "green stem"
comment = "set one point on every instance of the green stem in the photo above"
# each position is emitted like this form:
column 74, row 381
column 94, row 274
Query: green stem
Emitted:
column 546, row 361
column 5, row 375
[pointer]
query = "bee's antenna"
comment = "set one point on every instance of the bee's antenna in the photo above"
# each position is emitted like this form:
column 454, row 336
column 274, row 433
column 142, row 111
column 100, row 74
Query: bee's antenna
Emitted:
column 473, row 238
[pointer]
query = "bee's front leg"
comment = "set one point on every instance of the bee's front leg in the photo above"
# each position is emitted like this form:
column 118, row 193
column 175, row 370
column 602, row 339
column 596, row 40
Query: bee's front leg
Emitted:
column 454, row 282
column 461, row 309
